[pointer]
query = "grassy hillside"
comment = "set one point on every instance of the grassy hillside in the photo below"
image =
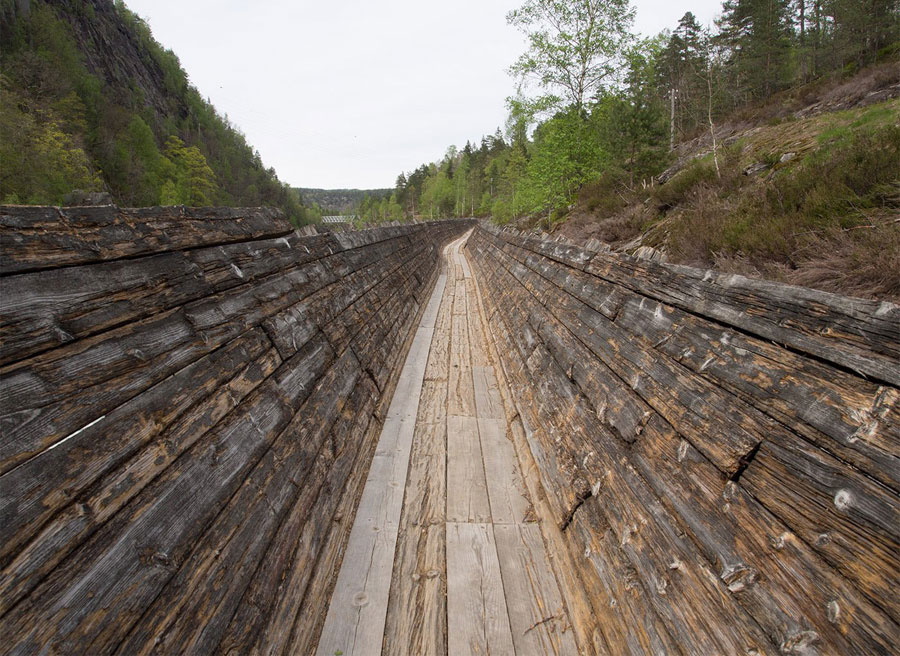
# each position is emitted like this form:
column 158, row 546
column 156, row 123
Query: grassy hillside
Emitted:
column 90, row 101
column 793, row 193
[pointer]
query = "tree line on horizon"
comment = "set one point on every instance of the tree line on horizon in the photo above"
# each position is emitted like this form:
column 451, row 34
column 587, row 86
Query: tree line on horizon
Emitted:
column 596, row 101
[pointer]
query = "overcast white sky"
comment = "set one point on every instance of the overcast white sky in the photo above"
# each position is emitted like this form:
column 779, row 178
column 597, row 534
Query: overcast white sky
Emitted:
column 349, row 93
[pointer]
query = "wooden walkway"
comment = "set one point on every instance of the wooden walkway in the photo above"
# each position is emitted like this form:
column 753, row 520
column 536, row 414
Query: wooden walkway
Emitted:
column 445, row 555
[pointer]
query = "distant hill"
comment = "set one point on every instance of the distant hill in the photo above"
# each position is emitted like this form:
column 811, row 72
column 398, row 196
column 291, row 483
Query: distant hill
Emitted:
column 90, row 101
column 340, row 201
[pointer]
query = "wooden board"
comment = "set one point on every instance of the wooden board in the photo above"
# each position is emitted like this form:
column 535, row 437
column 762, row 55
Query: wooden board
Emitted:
column 35, row 238
column 461, row 400
column 537, row 616
column 467, row 498
column 488, row 402
column 417, row 609
column 477, row 620
column 356, row 615
column 506, row 493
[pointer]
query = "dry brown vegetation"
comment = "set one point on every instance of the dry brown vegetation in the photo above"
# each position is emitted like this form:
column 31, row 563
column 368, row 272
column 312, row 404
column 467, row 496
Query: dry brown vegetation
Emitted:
column 804, row 194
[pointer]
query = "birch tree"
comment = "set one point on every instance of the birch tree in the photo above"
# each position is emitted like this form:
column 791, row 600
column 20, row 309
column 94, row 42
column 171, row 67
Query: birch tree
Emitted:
column 574, row 46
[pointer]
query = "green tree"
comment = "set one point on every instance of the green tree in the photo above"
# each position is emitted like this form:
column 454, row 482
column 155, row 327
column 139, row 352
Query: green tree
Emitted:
column 632, row 119
column 758, row 36
column 566, row 154
column 194, row 180
column 41, row 162
column 680, row 66
column 573, row 45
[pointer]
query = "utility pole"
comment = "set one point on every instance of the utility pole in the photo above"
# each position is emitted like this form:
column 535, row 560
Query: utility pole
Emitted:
column 672, row 120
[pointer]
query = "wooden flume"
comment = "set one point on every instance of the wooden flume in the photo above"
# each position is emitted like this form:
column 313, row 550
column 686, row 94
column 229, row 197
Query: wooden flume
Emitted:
column 605, row 455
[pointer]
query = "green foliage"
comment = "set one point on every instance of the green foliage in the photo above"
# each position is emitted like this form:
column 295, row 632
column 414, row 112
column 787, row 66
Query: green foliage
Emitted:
column 566, row 155
column 841, row 179
column 573, row 46
column 758, row 36
column 605, row 195
column 677, row 189
column 831, row 194
column 100, row 130
column 41, row 161
column 194, row 180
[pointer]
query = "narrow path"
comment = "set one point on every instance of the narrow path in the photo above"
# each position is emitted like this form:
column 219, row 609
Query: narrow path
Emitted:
column 455, row 562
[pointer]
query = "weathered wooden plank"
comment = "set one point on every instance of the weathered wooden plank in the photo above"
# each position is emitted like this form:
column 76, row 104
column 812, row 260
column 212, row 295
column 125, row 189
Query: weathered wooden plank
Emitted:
column 688, row 618
column 477, row 619
column 356, row 614
column 836, row 511
column 807, row 320
column 537, row 616
column 438, row 368
column 722, row 427
column 378, row 283
column 790, row 592
column 417, row 608
column 461, row 399
column 460, row 297
column 280, row 590
column 567, row 556
column 837, row 411
column 467, row 498
column 191, row 613
column 695, row 607
column 798, row 599
column 73, row 524
column 128, row 561
column 623, row 614
column 44, row 237
column 50, row 396
column 46, row 309
column 509, row 502
column 34, row 491
column 488, row 403
column 477, row 338
column 309, row 619
column 377, row 324
column 613, row 615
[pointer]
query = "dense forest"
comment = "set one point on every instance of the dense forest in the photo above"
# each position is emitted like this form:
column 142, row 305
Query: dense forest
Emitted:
column 341, row 201
column 90, row 101
column 626, row 138
column 612, row 105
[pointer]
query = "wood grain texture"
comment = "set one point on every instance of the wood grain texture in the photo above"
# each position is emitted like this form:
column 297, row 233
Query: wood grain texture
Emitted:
column 537, row 616
column 35, row 238
column 477, row 619
column 467, row 495
column 358, row 607
column 187, row 402
column 586, row 453
column 620, row 358
column 416, row 621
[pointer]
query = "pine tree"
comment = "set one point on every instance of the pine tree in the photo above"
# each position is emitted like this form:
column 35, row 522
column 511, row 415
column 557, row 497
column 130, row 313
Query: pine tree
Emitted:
column 758, row 37
column 681, row 67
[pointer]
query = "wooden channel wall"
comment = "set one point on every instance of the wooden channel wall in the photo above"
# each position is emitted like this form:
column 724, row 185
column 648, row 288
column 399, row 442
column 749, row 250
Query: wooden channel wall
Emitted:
column 189, row 402
column 719, row 456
